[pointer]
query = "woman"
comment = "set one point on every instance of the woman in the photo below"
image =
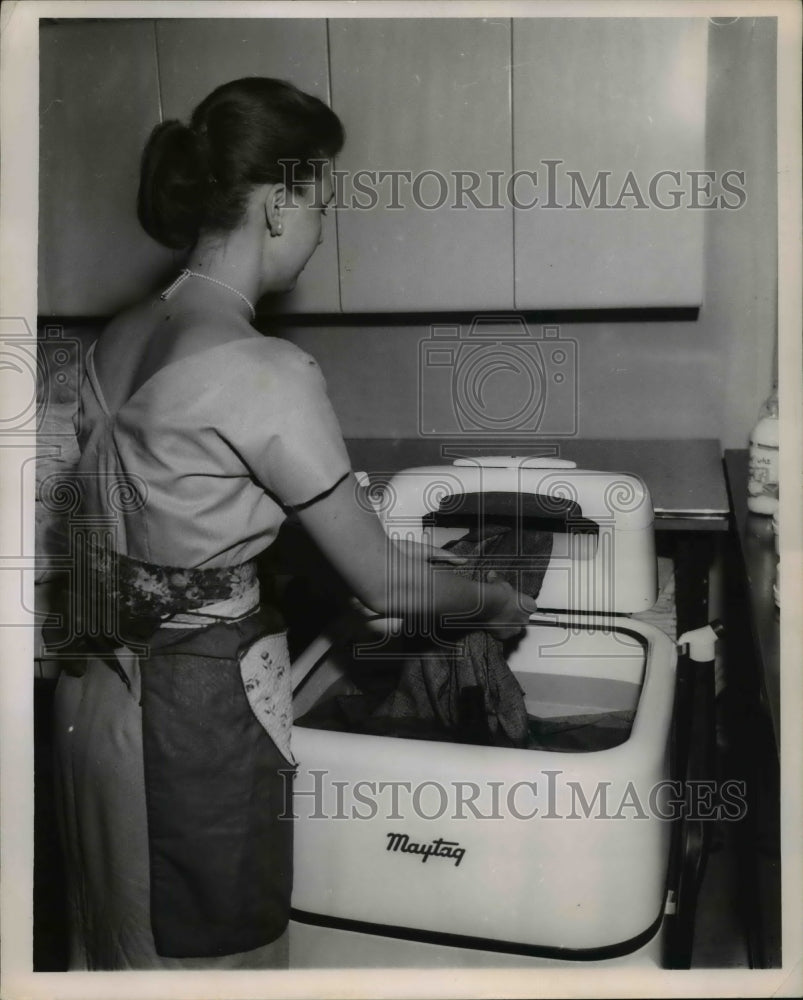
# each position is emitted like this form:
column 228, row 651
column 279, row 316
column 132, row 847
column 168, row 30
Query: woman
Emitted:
column 173, row 742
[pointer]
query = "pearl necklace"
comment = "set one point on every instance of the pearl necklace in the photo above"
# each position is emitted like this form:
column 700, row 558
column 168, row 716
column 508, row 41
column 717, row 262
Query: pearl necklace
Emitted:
column 187, row 273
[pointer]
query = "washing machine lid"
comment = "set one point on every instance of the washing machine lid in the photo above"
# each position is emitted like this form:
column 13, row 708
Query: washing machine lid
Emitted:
column 603, row 558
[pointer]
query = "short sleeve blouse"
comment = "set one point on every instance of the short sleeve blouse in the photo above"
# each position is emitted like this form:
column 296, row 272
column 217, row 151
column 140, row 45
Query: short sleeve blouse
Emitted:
column 211, row 450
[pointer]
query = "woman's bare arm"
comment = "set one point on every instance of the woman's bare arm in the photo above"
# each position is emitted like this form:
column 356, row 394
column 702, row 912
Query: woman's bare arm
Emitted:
column 402, row 581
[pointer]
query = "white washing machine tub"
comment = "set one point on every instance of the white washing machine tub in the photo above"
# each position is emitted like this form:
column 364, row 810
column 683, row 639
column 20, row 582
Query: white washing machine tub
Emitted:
column 540, row 852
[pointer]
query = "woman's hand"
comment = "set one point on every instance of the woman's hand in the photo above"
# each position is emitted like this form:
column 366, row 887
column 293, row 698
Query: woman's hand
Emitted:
column 515, row 607
column 350, row 535
column 424, row 552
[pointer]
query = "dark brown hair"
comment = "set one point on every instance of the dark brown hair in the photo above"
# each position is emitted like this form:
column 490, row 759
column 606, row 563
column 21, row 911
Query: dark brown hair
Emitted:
column 257, row 130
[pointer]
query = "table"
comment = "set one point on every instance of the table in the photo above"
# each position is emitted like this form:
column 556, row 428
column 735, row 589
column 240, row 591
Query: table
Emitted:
column 756, row 546
column 752, row 713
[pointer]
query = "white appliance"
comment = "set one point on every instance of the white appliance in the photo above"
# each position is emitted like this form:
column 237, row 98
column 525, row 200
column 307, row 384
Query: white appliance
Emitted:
column 525, row 852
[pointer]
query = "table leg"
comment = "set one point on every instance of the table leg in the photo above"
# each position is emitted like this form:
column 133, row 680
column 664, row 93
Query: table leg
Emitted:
column 693, row 746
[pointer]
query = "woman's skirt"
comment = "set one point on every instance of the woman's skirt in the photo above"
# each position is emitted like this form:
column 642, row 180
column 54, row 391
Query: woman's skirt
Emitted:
column 174, row 788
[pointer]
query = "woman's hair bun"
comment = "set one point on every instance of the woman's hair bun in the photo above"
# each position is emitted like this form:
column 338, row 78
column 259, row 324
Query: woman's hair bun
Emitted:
column 245, row 133
column 174, row 185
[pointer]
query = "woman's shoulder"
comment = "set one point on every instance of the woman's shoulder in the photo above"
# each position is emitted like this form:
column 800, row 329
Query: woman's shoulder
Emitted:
column 272, row 382
column 267, row 356
column 255, row 377
column 277, row 349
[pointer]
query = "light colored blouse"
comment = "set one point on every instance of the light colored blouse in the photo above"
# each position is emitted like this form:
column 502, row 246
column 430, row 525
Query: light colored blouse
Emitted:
column 193, row 469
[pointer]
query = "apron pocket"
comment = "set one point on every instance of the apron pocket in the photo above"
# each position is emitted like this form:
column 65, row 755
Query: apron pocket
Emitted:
column 265, row 673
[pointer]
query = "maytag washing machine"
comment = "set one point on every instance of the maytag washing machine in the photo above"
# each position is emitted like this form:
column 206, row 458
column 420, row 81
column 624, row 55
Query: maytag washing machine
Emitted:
column 550, row 853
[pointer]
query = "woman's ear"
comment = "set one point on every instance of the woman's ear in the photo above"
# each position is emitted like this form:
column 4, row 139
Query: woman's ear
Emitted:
column 274, row 208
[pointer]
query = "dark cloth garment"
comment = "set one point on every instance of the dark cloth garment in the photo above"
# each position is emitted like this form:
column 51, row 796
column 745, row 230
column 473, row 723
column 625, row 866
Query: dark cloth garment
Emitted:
column 468, row 691
column 565, row 733
column 580, row 733
column 219, row 797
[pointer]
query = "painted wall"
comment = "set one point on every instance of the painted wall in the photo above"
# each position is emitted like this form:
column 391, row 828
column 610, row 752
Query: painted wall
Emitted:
column 696, row 378
column 701, row 378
